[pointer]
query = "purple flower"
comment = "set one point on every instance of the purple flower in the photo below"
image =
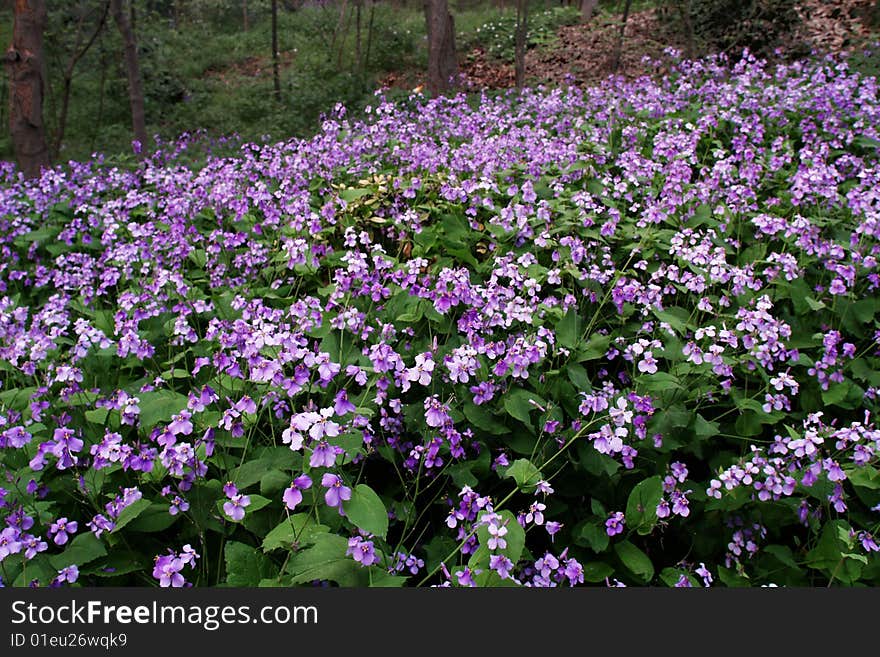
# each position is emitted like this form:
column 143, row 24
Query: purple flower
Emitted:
column 552, row 528
column 362, row 551
column 501, row 565
column 324, row 426
column 167, row 570
column 9, row 542
column 324, row 455
column 293, row 494
column 341, row 405
column 61, row 529
column 614, row 524
column 436, row 414
column 466, row 577
column 68, row 574
column 336, row 493
column 235, row 506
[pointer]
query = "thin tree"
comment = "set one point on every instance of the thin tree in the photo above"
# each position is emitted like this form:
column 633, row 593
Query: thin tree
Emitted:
column 587, row 9
column 132, row 70
column 24, row 64
column 79, row 51
column 442, row 62
column 522, row 28
column 276, row 72
column 370, row 33
column 244, row 13
column 618, row 48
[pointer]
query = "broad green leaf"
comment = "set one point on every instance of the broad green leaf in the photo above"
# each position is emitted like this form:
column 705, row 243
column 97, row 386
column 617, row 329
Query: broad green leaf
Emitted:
column 568, row 329
column 366, row 510
column 326, row 560
column 159, row 406
column 154, row 518
column 636, row 561
column 246, row 566
column 129, row 513
column 641, row 506
column 299, row 529
column 592, row 534
column 82, row 549
column 525, row 474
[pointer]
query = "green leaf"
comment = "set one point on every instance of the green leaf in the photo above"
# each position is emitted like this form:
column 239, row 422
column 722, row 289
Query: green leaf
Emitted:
column 483, row 419
column 129, row 513
column 568, row 329
column 159, row 406
column 676, row 317
column 154, row 518
column 119, row 562
column 82, row 549
column 300, row 528
column 597, row 571
column 251, row 472
column 864, row 477
column 596, row 347
column 641, row 506
column 97, row 416
column 578, row 376
column 383, row 579
column 525, row 474
column 636, row 561
column 703, row 429
column 349, row 195
column 783, row 554
column 246, row 566
column 326, row 560
column 273, row 482
column 519, row 403
column 829, row 550
column 366, row 510
column 592, row 534
column 836, row 393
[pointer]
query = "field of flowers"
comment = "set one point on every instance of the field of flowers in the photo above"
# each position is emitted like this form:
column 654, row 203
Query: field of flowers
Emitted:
column 624, row 335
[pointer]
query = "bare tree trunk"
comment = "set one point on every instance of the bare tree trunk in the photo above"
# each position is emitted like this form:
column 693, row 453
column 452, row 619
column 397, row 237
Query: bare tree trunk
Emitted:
column 684, row 7
column 442, row 62
column 357, row 38
column 67, row 83
column 132, row 70
column 99, row 120
column 244, row 12
column 24, row 64
column 522, row 27
column 618, row 48
column 276, row 71
column 370, row 33
column 587, row 9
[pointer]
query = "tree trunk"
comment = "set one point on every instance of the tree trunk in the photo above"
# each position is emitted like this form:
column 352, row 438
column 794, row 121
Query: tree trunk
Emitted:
column 370, row 33
column 133, row 72
column 522, row 28
column 24, row 64
column 357, row 39
column 442, row 62
column 244, row 12
column 618, row 49
column 276, row 71
column 587, row 9
column 67, row 83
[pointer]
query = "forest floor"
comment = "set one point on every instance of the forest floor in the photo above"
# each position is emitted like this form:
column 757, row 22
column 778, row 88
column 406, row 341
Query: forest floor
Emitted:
column 584, row 53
